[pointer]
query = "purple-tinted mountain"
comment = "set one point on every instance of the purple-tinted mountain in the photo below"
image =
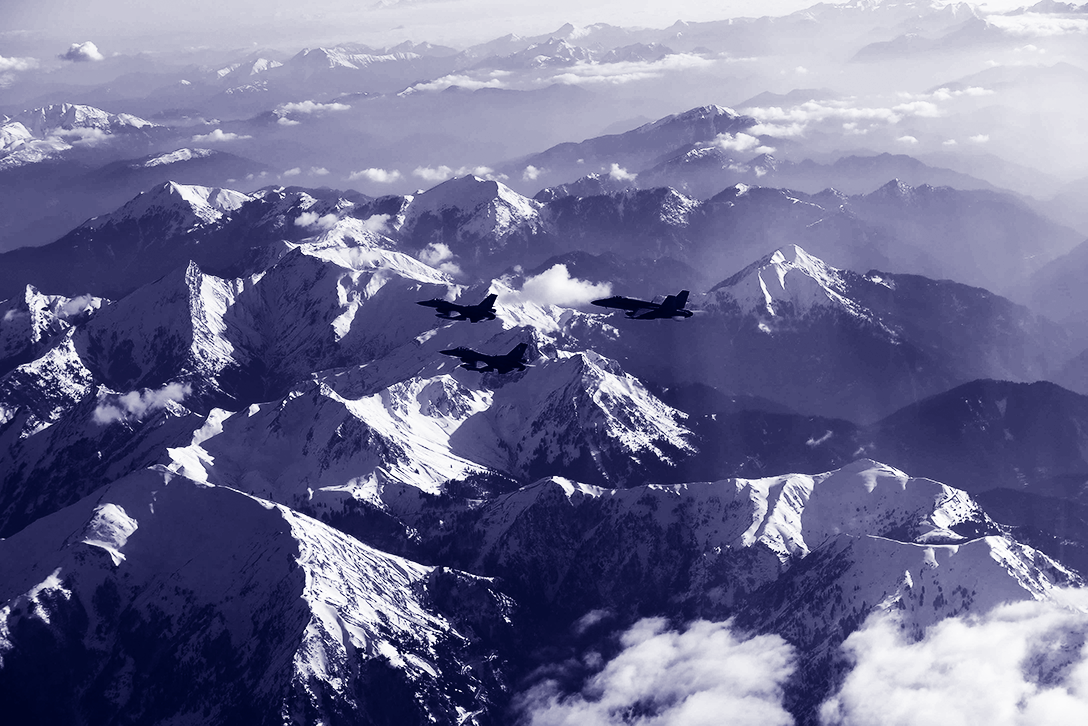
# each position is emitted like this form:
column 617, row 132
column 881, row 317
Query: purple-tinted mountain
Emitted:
column 822, row 340
column 635, row 149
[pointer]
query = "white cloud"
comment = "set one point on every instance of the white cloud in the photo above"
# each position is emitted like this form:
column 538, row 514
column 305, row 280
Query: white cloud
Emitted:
column 630, row 71
column 793, row 121
column 292, row 172
column 980, row 138
column 82, row 52
column 313, row 219
column 555, row 286
column 219, row 136
column 319, row 171
column 378, row 176
column 377, row 223
column 82, row 136
column 17, row 64
column 311, row 107
column 435, row 254
column 433, row 174
column 949, row 142
column 136, row 404
column 1022, row 664
column 284, row 121
column 907, row 140
column 531, row 173
column 443, row 172
column 926, row 109
column 1038, row 25
column 778, row 130
column 78, row 305
column 742, row 142
column 440, row 256
column 620, row 174
column 704, row 676
column 460, row 80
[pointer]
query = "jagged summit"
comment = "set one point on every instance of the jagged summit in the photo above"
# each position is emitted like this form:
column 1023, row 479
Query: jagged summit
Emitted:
column 69, row 116
column 466, row 192
column 713, row 114
column 177, row 156
column 894, row 190
column 787, row 281
column 187, row 205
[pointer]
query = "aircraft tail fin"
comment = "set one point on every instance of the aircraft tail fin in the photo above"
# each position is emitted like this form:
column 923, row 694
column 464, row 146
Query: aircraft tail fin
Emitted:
column 681, row 299
column 489, row 301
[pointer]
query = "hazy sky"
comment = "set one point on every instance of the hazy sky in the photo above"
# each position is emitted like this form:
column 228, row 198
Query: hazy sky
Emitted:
column 133, row 25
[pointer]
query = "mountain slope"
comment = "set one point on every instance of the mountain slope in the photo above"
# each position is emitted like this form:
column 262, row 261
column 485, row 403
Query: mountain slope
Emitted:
column 266, row 613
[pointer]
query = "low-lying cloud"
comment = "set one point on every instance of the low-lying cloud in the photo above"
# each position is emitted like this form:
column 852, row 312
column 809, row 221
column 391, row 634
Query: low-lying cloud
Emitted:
column 218, row 136
column 439, row 256
column 1039, row 25
column 555, row 286
column 742, row 142
column 378, row 223
column 17, row 64
column 793, row 121
column 312, row 107
column 704, row 676
column 378, row 176
column 137, row 404
column 82, row 53
column 1023, row 664
column 618, row 173
column 589, row 73
column 459, row 80
column 315, row 220
column 441, row 173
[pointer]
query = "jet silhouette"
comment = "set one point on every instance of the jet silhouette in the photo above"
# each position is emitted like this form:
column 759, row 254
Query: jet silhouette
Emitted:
column 497, row 363
column 671, row 307
column 484, row 310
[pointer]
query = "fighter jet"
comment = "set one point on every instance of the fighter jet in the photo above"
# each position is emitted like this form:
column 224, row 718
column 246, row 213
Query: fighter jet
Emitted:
column 497, row 363
column 484, row 310
column 671, row 307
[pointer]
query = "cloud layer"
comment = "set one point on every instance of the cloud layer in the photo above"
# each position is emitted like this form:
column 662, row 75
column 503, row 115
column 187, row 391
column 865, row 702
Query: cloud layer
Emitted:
column 219, row 135
column 1024, row 664
column 137, row 404
column 701, row 676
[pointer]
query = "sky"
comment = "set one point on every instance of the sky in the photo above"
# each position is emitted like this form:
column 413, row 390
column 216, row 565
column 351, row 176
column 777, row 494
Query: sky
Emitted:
column 125, row 26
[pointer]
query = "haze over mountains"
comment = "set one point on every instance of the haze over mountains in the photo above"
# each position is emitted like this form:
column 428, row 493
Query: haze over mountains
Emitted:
column 239, row 482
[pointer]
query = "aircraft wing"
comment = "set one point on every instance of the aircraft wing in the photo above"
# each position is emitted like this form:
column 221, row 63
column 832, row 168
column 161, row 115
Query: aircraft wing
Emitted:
column 631, row 305
column 467, row 355
column 444, row 307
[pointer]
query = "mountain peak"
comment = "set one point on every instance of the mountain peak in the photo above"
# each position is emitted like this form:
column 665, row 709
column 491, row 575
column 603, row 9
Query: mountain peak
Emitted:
column 699, row 113
column 471, row 195
column 787, row 280
column 70, row 116
column 189, row 204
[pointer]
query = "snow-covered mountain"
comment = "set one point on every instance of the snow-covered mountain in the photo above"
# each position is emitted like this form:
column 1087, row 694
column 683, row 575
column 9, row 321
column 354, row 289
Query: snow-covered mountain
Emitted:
column 637, row 149
column 43, row 133
column 245, row 479
column 266, row 614
column 820, row 339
